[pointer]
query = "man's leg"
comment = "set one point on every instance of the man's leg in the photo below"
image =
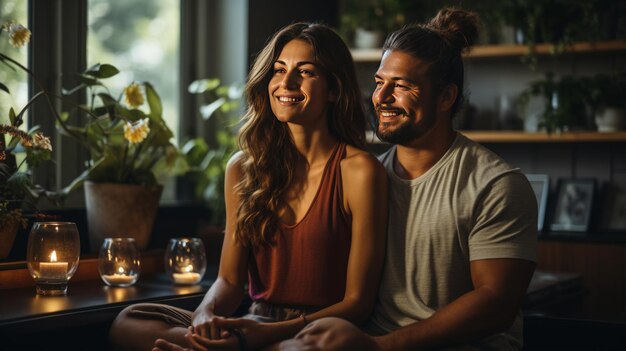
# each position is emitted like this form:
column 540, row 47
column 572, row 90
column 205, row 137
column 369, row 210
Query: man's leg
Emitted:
column 138, row 326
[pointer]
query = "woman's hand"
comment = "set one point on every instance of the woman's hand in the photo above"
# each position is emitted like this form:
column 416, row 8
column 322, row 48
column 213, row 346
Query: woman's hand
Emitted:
column 242, row 333
column 202, row 325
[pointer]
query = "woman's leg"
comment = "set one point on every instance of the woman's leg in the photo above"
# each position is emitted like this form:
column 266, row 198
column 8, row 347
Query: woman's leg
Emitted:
column 138, row 326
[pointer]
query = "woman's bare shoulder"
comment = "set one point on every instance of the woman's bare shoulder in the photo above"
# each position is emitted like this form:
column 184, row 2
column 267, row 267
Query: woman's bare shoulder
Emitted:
column 359, row 162
column 235, row 165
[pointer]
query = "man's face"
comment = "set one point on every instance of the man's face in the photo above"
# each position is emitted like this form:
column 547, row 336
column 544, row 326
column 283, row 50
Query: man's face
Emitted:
column 403, row 98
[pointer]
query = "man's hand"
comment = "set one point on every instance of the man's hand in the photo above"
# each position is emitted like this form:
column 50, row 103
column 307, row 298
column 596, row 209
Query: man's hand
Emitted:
column 334, row 334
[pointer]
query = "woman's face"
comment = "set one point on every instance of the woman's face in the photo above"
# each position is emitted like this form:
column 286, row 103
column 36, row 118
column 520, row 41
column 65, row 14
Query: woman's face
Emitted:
column 298, row 89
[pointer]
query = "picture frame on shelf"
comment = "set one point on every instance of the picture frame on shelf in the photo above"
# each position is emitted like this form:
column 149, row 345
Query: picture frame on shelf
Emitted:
column 541, row 187
column 613, row 214
column 574, row 203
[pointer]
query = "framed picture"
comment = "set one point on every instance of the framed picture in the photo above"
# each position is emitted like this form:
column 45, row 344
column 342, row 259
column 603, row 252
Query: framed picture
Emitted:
column 541, row 185
column 574, row 201
column 613, row 215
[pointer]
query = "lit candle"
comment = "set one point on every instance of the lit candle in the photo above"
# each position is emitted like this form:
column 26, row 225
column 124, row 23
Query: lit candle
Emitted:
column 186, row 278
column 119, row 278
column 53, row 269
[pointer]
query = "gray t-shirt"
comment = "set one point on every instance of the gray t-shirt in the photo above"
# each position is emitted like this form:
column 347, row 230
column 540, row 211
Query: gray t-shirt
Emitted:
column 470, row 205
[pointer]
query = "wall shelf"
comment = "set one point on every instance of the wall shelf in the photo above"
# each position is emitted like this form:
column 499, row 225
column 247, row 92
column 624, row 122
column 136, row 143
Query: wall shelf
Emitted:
column 505, row 136
column 510, row 136
column 508, row 50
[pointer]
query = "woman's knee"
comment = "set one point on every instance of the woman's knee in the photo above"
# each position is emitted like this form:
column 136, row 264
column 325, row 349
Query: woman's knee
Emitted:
column 124, row 327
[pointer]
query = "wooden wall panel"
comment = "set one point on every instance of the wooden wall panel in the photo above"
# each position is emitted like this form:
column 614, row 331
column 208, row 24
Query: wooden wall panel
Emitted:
column 603, row 269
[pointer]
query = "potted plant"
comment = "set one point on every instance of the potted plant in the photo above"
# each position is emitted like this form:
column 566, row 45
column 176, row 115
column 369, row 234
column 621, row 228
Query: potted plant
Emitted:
column 550, row 21
column 564, row 103
column 365, row 23
column 606, row 98
column 207, row 161
column 20, row 151
column 130, row 147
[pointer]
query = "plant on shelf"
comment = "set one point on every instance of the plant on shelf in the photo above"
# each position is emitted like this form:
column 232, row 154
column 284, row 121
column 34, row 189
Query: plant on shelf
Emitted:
column 550, row 21
column 606, row 98
column 208, row 161
column 564, row 103
column 365, row 23
column 20, row 152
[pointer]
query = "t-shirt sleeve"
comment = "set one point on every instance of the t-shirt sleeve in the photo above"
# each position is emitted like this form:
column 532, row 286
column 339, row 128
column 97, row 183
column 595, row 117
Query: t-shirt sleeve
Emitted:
column 505, row 220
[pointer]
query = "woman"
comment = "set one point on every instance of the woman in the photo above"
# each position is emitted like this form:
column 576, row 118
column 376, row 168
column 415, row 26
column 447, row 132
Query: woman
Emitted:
column 306, row 208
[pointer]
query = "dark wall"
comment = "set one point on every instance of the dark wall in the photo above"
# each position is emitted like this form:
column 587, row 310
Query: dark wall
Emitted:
column 266, row 17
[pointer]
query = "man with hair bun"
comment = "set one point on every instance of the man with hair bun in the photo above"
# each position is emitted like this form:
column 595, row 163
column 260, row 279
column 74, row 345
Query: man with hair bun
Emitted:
column 462, row 234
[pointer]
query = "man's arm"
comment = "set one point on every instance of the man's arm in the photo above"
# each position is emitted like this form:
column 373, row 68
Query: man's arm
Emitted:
column 500, row 287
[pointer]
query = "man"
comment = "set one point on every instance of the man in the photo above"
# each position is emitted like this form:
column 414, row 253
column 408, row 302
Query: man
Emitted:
column 462, row 223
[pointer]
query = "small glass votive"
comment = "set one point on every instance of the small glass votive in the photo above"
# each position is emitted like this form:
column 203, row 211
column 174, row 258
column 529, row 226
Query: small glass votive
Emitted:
column 118, row 262
column 52, row 255
column 185, row 260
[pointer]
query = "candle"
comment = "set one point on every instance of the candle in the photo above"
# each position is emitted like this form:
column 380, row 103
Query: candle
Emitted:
column 186, row 278
column 119, row 278
column 53, row 269
column 116, row 278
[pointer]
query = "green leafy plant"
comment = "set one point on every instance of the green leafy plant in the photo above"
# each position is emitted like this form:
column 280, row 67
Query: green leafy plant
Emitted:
column 607, row 90
column 20, row 151
column 564, row 102
column 378, row 15
column 550, row 21
column 207, row 161
column 127, row 137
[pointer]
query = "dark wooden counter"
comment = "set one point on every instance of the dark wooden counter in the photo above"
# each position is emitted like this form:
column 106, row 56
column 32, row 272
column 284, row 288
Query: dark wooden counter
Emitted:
column 29, row 321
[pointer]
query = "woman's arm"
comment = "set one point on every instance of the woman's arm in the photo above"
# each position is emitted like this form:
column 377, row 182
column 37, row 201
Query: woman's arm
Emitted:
column 227, row 292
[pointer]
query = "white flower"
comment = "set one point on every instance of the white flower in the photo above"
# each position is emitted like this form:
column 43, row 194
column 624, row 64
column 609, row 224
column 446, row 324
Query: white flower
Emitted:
column 41, row 142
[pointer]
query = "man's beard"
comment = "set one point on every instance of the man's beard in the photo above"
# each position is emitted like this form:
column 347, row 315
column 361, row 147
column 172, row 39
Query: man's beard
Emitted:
column 402, row 135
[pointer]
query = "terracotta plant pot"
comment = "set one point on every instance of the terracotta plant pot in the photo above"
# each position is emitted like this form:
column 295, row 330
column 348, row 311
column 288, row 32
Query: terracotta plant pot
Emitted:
column 7, row 236
column 120, row 210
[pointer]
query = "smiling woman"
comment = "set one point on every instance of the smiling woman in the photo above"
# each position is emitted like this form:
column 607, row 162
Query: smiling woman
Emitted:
column 305, row 208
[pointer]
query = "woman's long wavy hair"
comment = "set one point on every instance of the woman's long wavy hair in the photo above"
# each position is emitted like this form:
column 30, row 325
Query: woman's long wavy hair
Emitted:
column 269, row 155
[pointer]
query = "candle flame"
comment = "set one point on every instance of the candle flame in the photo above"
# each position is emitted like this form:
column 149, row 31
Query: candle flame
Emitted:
column 120, row 270
column 189, row 268
column 53, row 256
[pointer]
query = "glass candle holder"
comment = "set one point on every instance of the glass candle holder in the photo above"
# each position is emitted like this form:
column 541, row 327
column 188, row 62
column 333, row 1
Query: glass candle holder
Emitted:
column 118, row 262
column 52, row 255
column 185, row 260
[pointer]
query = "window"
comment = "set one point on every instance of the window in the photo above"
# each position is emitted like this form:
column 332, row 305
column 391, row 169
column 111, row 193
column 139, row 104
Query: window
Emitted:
column 141, row 39
column 16, row 80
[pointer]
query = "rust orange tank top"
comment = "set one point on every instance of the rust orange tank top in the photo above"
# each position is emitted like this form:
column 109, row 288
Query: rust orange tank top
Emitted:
column 307, row 263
